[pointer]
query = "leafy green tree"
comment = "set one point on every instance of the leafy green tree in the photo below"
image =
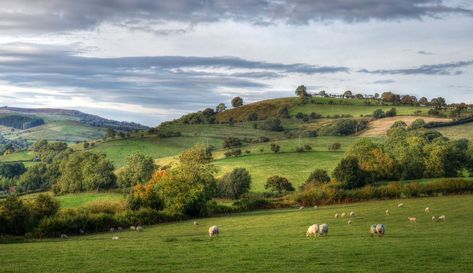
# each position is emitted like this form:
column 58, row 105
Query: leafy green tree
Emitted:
column 272, row 124
column 417, row 124
column 378, row 114
column 138, row 169
column 319, row 176
column 349, row 173
column 424, row 101
column 391, row 112
column 111, row 133
column 278, row 184
column 283, row 112
column 301, row 91
column 14, row 216
column 35, row 178
column 11, row 170
column 44, row 205
column 237, row 102
column 220, row 108
column 234, row 184
column 189, row 185
column 231, row 142
column 275, row 148
column 348, row 94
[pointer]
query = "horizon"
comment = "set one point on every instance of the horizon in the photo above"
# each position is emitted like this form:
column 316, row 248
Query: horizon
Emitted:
column 149, row 62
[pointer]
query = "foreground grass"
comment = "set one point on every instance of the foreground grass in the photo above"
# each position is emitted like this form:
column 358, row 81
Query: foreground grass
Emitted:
column 271, row 241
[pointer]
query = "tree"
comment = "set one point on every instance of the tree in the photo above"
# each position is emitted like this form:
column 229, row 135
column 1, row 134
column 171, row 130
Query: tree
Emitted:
column 278, row 184
column 417, row 124
column 323, row 94
column 301, row 91
column 283, row 112
column 319, row 176
column 424, row 101
column 349, row 173
column 189, row 185
column 231, row 142
column 111, row 133
column 237, row 102
column 138, row 169
column 391, row 112
column 348, row 94
column 220, row 108
column 407, row 99
column 378, row 114
column 44, row 205
column 37, row 177
column 145, row 195
column 14, row 215
column 12, row 170
column 272, row 124
column 275, row 148
column 234, row 184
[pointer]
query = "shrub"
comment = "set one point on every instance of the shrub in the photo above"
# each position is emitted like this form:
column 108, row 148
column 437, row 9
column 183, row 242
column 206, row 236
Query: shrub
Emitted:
column 335, row 146
column 343, row 127
column 231, row 142
column 391, row 113
column 44, row 205
column 378, row 114
column 318, row 176
column 275, row 148
column 272, row 124
column 278, row 184
column 307, row 147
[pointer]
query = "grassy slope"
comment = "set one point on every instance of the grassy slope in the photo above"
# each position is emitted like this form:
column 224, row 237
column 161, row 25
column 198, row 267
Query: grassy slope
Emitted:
column 458, row 131
column 273, row 241
column 80, row 199
column 354, row 110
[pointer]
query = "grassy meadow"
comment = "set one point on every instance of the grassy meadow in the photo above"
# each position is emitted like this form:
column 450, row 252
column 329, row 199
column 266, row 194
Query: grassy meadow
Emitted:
column 270, row 241
column 354, row 110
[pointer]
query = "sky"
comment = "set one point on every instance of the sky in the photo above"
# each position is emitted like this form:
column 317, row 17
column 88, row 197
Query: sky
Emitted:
column 150, row 61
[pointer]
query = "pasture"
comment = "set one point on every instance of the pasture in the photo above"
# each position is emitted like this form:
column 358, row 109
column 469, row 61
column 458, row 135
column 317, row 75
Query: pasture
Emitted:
column 354, row 110
column 69, row 201
column 270, row 241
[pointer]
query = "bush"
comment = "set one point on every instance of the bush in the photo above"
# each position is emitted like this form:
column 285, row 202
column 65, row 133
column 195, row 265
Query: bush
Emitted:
column 318, row 176
column 391, row 113
column 343, row 127
column 378, row 114
column 278, row 184
column 272, row 124
column 231, row 142
column 335, row 146
column 275, row 148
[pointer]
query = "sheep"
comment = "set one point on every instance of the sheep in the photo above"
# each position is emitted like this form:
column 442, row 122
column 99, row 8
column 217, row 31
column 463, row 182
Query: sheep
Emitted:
column 64, row 236
column 427, row 210
column 301, row 207
column 81, row 231
column 139, row 228
column 312, row 231
column 352, row 213
column 196, row 223
column 120, row 228
column 112, row 229
column 315, row 206
column 344, row 214
column 377, row 229
column 387, row 212
column 400, row 205
column 132, row 228
column 442, row 218
column 115, row 238
column 323, row 229
column 412, row 219
column 213, row 230
column 349, row 222
column 433, row 218
column 336, row 215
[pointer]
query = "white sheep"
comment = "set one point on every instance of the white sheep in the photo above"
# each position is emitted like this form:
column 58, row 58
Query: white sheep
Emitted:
column 112, row 229
column 412, row 219
column 442, row 218
column 139, row 228
column 115, row 238
column 349, row 222
column 213, row 230
column 81, row 231
column 433, row 218
column 336, row 215
column 312, row 231
column 196, row 223
column 132, row 228
column 400, row 205
column 120, row 228
column 387, row 212
column 427, row 210
column 315, row 206
column 323, row 229
column 64, row 236
column 377, row 229
column 301, row 207
column 344, row 214
column 352, row 213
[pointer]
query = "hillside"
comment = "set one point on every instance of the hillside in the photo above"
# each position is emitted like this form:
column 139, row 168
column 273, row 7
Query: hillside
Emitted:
column 271, row 240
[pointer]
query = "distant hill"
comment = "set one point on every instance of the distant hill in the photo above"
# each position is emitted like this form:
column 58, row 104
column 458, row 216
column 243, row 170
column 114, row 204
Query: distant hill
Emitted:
column 62, row 114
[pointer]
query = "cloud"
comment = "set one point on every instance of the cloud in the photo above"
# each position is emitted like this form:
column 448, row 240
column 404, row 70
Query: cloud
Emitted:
column 27, row 16
column 422, row 52
column 434, row 69
column 383, row 82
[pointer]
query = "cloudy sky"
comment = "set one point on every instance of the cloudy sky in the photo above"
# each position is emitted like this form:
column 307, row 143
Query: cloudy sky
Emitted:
column 148, row 61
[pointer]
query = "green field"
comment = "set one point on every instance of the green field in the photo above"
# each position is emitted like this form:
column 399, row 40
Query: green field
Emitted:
column 354, row 110
column 271, row 241
column 76, row 200
column 458, row 131
column 18, row 156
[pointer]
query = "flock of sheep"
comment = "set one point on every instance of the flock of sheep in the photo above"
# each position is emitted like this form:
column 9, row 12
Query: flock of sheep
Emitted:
column 315, row 230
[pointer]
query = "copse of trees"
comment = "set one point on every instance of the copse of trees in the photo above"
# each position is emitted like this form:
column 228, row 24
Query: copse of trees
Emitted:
column 234, row 184
column 12, row 170
column 343, row 127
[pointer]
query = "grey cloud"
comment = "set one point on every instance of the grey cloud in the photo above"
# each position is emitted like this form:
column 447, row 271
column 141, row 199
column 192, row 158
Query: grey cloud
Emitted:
column 55, row 16
column 423, row 52
column 383, row 81
column 435, row 69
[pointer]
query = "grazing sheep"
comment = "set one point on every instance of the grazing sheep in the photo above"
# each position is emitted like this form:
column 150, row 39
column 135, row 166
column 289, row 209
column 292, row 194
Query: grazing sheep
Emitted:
column 442, row 218
column 352, row 213
column 400, row 205
column 344, row 214
column 301, row 207
column 427, row 210
column 336, row 215
column 349, row 222
column 433, row 218
column 412, row 219
column 64, row 236
column 377, row 229
column 120, row 228
column 196, row 223
column 115, row 238
column 213, row 230
column 132, row 228
column 387, row 212
column 315, row 206
column 312, row 231
column 139, row 228
column 323, row 229
column 112, row 229
column 81, row 231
